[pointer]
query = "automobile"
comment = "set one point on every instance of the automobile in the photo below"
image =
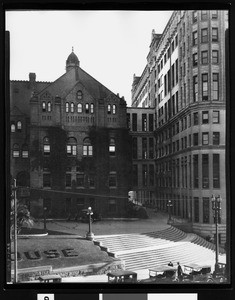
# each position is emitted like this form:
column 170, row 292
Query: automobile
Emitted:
column 122, row 276
column 50, row 278
column 84, row 216
column 197, row 273
column 162, row 274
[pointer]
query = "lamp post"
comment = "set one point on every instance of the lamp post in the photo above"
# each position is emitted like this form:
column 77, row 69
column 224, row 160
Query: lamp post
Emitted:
column 169, row 205
column 216, row 206
column 44, row 218
column 90, row 235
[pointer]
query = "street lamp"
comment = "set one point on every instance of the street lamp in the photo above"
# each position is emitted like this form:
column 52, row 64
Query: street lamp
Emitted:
column 169, row 205
column 216, row 206
column 89, row 235
column 44, row 218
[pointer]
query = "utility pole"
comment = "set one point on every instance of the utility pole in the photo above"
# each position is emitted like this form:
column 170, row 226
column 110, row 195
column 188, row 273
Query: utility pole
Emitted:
column 15, row 233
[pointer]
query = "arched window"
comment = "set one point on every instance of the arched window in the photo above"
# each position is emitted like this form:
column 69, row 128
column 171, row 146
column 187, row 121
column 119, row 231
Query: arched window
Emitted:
column 16, row 150
column 13, row 127
column 79, row 95
column 43, row 106
column 46, row 146
column 49, row 106
column 72, row 146
column 79, row 108
column 112, row 147
column 67, row 107
column 92, row 108
column 25, row 151
column 72, row 107
column 87, row 108
column 19, row 126
column 87, row 147
column 114, row 109
column 109, row 109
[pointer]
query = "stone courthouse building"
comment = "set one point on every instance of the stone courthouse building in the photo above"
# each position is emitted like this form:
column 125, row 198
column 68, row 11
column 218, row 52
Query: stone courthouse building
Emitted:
column 69, row 144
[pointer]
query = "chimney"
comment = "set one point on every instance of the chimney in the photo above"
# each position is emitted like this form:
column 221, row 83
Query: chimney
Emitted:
column 32, row 77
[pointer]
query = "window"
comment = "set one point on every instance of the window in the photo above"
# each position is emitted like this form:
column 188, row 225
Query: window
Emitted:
column 72, row 147
column 195, row 58
column 87, row 147
column 204, row 35
column 204, row 57
column 195, row 139
column 92, row 108
column 205, row 138
column 144, row 148
column 79, row 106
column 134, row 148
column 194, row 16
column 204, row 14
column 16, row 150
column 215, row 117
column 195, row 171
column 114, row 109
column 13, row 127
column 25, row 151
column 176, row 71
column 135, row 175
column 214, row 14
column 49, row 106
column 176, row 40
column 72, row 107
column 216, row 138
column 195, row 88
column 91, row 180
column 216, row 171
column 150, row 122
column 87, row 108
column 134, row 122
column 112, row 147
column 46, row 180
column 67, row 107
column 144, row 175
column 205, row 117
column 214, row 34
column 144, row 122
column 43, row 106
column 215, row 56
column 204, row 87
column 112, row 205
column 205, row 171
column 195, row 118
column 19, row 126
column 112, row 180
column 79, row 95
column 194, row 38
column 80, row 179
column 151, row 148
column 196, row 209
column 109, row 109
column 151, row 175
column 68, row 180
column 215, row 91
column 206, row 211
column 46, row 146
column 172, row 46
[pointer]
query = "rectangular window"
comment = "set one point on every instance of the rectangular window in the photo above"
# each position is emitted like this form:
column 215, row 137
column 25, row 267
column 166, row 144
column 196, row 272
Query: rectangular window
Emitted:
column 92, row 180
column 194, row 16
column 216, row 138
column 135, row 175
column 195, row 88
column 204, row 14
column 25, row 153
column 195, row 171
column 215, row 117
column 150, row 122
column 151, row 148
column 204, row 35
column 177, row 102
column 215, row 56
column 205, row 138
column 112, row 180
column 46, row 149
column 151, row 175
column 205, row 171
column 195, row 118
column 216, row 171
column 144, row 122
column 195, row 59
column 194, row 38
column 214, row 14
column 215, row 90
column 68, row 180
column 129, row 121
column 176, row 71
column 165, row 85
column 176, row 40
column 173, row 74
column 204, row 57
column 214, row 34
column 144, row 175
column 205, row 117
column 134, row 148
column 195, row 139
column 206, row 211
column 134, row 122
column 196, row 209
column 46, row 180
column 204, row 87
column 80, row 180
column 144, row 148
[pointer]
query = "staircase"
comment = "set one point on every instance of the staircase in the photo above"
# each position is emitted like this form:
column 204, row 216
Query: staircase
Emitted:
column 147, row 250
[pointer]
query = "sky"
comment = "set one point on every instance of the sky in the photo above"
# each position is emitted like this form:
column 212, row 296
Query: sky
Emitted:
column 112, row 46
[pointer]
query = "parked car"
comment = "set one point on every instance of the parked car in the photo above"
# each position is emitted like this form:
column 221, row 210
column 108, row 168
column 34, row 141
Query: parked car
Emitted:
column 162, row 274
column 84, row 216
column 197, row 273
column 51, row 278
column 122, row 276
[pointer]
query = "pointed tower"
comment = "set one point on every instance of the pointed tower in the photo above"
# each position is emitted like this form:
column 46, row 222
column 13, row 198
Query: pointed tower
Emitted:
column 72, row 61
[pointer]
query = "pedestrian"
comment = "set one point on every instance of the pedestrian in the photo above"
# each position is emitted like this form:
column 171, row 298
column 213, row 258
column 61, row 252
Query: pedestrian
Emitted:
column 170, row 264
column 179, row 271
